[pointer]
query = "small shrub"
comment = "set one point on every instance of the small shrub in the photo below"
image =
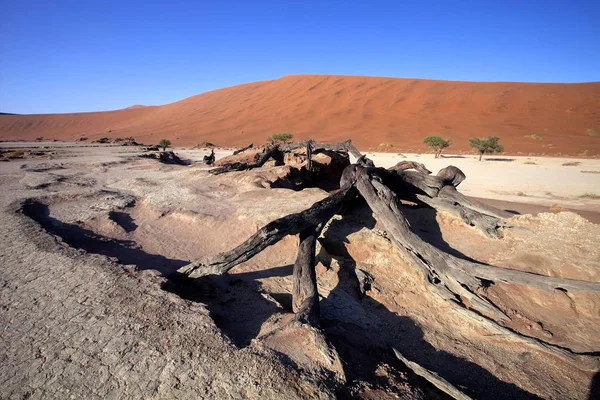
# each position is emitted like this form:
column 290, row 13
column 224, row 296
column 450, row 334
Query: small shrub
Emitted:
column 591, row 172
column 164, row 143
column 592, row 132
column 521, row 194
column 437, row 144
column 486, row 146
column 571, row 164
column 280, row 137
column 556, row 208
column 16, row 154
column 590, row 196
column 386, row 145
column 39, row 139
column 530, row 162
column 534, row 137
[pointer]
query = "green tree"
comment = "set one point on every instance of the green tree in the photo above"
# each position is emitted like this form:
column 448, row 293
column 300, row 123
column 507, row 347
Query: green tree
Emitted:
column 437, row 144
column 164, row 143
column 486, row 146
column 280, row 137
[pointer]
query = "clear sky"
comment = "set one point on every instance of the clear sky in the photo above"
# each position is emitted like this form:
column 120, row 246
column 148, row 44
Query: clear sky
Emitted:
column 88, row 55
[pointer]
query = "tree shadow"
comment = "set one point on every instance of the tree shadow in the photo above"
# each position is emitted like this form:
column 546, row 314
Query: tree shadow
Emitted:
column 363, row 331
column 424, row 224
column 235, row 301
column 595, row 387
column 499, row 159
column 455, row 156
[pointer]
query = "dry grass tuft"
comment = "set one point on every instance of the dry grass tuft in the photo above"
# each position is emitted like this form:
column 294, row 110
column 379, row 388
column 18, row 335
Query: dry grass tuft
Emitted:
column 590, row 196
column 571, row 164
column 556, row 208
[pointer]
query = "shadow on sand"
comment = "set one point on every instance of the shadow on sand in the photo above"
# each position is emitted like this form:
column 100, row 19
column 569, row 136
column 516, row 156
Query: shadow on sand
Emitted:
column 362, row 330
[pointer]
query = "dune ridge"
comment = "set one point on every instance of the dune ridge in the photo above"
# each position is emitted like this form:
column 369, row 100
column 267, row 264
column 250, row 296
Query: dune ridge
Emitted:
column 372, row 111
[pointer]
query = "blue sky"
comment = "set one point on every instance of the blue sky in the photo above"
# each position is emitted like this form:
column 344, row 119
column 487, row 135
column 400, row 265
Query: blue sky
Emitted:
column 67, row 55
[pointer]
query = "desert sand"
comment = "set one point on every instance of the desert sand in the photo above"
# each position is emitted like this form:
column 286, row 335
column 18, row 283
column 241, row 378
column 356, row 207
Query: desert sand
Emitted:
column 375, row 112
column 91, row 307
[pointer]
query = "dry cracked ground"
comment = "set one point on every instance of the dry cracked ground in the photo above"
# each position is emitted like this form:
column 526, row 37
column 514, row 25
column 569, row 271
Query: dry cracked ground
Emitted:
column 91, row 307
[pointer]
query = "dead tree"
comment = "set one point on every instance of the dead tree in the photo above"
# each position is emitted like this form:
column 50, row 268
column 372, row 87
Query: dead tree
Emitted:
column 210, row 159
column 243, row 149
column 277, row 150
column 463, row 283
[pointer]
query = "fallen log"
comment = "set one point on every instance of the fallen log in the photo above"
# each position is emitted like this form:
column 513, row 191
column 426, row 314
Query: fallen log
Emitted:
column 432, row 378
column 277, row 150
column 243, row 149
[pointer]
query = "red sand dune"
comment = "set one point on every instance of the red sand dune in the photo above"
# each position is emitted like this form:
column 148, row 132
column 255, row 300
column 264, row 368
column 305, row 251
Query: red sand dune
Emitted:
column 369, row 110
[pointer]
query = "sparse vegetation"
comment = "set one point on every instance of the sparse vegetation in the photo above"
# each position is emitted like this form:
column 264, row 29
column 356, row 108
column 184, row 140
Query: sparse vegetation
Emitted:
column 486, row 146
column 16, row 154
column 591, row 172
column 571, row 164
column 592, row 132
column 386, row 145
column 521, row 194
column 164, row 143
column 437, row 144
column 592, row 196
column 556, row 208
column 280, row 137
column 530, row 162
column 534, row 137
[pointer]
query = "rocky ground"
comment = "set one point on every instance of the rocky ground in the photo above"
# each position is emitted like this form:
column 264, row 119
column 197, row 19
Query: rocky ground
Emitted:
column 91, row 307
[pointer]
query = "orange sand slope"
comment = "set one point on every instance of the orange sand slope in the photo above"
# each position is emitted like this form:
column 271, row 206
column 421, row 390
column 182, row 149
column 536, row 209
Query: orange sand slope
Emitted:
column 370, row 110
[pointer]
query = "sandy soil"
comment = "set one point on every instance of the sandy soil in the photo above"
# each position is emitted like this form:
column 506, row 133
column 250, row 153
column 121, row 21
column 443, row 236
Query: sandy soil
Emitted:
column 370, row 110
column 90, row 308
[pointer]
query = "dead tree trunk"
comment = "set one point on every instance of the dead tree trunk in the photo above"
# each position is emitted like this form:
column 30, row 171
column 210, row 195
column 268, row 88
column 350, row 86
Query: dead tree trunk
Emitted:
column 463, row 283
column 243, row 149
column 279, row 149
column 305, row 297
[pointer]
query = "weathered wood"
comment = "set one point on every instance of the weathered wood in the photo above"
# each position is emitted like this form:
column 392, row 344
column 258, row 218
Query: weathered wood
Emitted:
column 243, row 149
column 485, row 223
column 210, row 159
column 305, row 296
column 259, row 160
column 270, row 234
column 432, row 378
column 280, row 148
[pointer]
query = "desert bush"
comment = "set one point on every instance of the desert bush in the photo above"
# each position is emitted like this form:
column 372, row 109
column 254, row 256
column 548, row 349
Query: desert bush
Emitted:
column 280, row 137
column 556, row 208
column 571, row 164
column 521, row 194
column 387, row 145
column 486, row 146
column 589, row 196
column 437, row 144
column 164, row 143
column 16, row 154
column 534, row 137
column 592, row 132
